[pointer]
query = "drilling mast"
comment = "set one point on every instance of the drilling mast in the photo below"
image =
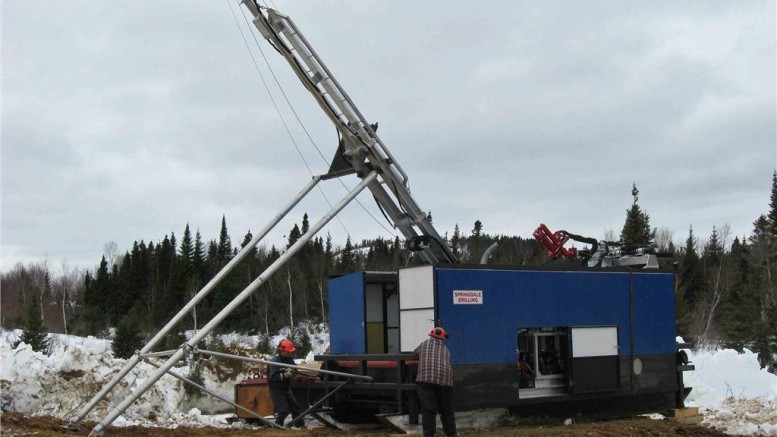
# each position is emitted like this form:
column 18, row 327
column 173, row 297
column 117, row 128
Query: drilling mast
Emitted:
column 360, row 149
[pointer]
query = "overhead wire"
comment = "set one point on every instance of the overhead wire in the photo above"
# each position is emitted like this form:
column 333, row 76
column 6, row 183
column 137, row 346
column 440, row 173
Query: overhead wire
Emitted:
column 302, row 125
column 296, row 115
column 272, row 99
column 277, row 109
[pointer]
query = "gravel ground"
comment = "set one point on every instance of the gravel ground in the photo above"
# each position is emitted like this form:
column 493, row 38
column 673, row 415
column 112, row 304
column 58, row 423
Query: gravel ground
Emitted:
column 17, row 425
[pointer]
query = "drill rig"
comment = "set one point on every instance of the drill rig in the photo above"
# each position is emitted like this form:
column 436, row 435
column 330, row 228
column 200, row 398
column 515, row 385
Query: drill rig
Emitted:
column 610, row 332
column 597, row 339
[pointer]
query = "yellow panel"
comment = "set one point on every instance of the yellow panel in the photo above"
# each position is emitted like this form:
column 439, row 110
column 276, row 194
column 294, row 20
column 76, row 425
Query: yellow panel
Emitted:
column 375, row 342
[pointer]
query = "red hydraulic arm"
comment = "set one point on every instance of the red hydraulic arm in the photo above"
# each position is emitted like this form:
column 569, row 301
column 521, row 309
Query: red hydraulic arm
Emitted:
column 554, row 242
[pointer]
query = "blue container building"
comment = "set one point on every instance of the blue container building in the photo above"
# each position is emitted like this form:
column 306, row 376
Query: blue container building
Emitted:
column 538, row 339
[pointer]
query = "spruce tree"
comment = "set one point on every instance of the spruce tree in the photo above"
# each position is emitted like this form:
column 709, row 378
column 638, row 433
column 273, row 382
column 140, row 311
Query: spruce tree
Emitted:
column 165, row 260
column 167, row 302
column 103, row 295
column 213, row 255
column 264, row 346
column 121, row 277
column 713, row 251
column 456, row 240
column 242, row 318
column 691, row 281
column 347, row 257
column 225, row 243
column 128, row 338
column 305, row 224
column 329, row 254
column 301, row 340
column 91, row 318
column 34, row 332
column 636, row 229
column 294, row 235
column 199, row 259
column 191, row 392
column 186, row 254
column 396, row 253
column 772, row 217
column 188, row 280
column 136, row 277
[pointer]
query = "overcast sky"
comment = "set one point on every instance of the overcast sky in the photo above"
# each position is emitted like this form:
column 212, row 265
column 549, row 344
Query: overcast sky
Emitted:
column 127, row 120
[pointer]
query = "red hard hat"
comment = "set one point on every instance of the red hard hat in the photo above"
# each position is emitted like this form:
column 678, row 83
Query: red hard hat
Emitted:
column 286, row 346
column 438, row 333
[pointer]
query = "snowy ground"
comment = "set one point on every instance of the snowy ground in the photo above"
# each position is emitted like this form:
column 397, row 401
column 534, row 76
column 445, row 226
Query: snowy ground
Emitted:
column 733, row 393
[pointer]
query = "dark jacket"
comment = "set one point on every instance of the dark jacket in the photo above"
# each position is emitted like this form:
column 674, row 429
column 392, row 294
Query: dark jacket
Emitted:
column 275, row 372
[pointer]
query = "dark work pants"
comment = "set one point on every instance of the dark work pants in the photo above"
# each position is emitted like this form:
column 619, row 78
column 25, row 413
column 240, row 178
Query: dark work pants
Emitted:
column 435, row 399
column 284, row 403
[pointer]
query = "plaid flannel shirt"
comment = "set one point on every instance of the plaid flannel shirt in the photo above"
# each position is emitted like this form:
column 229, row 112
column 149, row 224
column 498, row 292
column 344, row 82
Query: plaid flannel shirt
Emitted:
column 434, row 363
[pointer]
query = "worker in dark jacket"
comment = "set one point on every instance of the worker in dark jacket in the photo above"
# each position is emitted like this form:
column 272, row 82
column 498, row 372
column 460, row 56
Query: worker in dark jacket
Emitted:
column 280, row 384
column 435, row 384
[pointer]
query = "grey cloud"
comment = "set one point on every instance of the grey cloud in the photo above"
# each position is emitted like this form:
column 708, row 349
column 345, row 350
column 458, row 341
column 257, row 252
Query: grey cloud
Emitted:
column 127, row 120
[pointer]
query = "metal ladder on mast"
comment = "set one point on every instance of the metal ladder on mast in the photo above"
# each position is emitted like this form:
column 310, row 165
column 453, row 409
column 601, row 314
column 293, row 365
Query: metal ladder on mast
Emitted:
column 361, row 149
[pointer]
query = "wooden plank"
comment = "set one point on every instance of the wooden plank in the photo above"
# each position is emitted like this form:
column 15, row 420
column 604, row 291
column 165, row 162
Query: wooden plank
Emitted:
column 686, row 412
column 399, row 423
column 688, row 415
column 690, row 420
column 327, row 420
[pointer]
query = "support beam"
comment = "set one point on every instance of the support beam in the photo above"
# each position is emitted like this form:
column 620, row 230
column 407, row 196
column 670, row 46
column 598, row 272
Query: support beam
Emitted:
column 318, row 403
column 135, row 359
column 99, row 429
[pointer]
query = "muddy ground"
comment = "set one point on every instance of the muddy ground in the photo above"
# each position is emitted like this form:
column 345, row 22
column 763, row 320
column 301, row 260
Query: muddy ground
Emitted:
column 17, row 425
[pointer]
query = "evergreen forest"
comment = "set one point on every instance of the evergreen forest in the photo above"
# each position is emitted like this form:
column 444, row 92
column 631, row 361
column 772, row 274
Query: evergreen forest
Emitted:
column 726, row 285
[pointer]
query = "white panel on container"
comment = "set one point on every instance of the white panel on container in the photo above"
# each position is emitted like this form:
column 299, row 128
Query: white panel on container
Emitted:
column 415, row 327
column 374, row 302
column 595, row 341
column 416, row 287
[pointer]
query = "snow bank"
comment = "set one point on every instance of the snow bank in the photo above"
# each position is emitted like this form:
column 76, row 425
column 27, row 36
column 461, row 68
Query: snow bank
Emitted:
column 723, row 374
column 733, row 393
column 77, row 368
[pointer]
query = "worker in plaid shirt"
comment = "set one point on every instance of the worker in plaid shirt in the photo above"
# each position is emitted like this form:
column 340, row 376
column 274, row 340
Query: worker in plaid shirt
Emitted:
column 435, row 384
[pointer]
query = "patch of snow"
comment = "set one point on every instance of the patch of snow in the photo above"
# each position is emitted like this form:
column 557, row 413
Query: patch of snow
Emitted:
column 732, row 392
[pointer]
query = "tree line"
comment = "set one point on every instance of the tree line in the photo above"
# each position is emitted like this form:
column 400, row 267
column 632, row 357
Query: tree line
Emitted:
column 725, row 289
